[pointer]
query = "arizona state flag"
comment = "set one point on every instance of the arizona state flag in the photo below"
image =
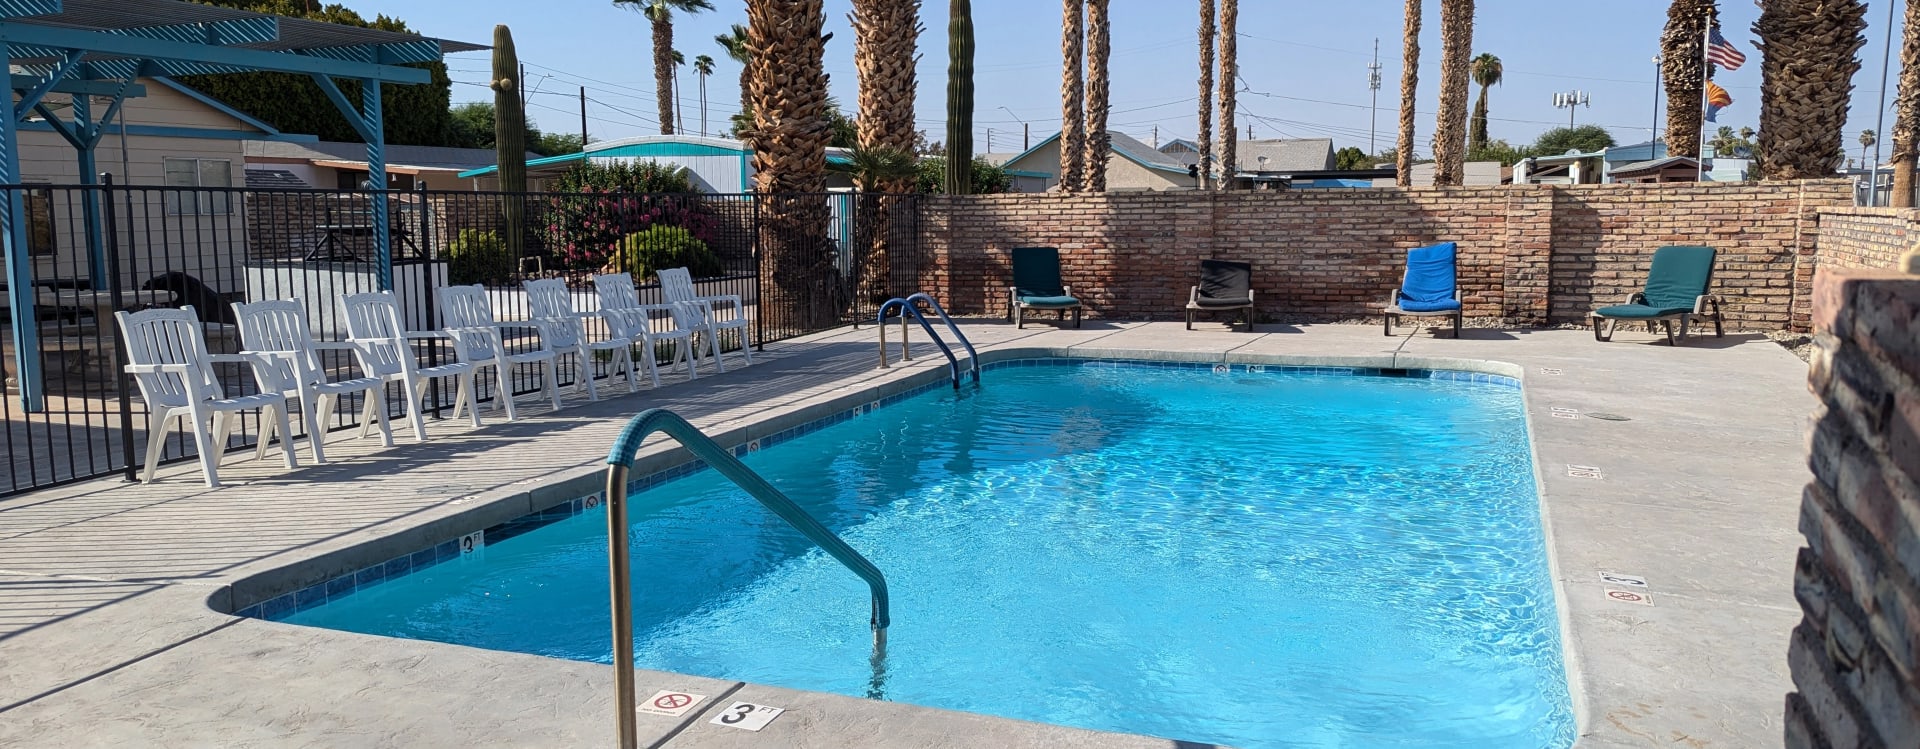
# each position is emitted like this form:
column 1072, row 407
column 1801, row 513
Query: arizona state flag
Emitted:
column 1717, row 99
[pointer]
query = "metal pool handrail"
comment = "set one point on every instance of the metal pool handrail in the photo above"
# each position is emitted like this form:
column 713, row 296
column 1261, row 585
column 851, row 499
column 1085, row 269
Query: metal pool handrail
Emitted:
column 906, row 305
column 620, row 462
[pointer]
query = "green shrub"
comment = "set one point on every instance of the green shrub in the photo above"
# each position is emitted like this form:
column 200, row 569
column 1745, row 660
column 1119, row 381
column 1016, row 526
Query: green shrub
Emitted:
column 645, row 253
column 476, row 256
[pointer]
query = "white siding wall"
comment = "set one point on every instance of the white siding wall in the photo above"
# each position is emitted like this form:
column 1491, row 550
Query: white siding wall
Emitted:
column 719, row 174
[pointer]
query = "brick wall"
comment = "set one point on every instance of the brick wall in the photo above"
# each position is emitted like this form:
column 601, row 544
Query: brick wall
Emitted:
column 1866, row 237
column 1529, row 254
column 1855, row 656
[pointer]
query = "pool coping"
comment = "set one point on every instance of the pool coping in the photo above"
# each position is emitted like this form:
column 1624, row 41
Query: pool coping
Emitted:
column 300, row 584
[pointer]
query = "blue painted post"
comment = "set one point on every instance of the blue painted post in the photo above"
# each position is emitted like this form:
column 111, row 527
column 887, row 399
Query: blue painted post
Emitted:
column 377, row 174
column 89, row 199
column 20, row 296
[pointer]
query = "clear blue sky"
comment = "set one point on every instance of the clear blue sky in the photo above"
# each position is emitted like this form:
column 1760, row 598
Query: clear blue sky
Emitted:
column 1305, row 65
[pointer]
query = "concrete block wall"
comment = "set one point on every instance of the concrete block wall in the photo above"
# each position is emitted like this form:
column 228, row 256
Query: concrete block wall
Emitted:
column 1855, row 656
column 1529, row 254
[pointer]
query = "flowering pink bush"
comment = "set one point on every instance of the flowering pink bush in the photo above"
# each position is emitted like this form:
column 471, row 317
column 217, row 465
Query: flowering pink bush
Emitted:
column 584, row 230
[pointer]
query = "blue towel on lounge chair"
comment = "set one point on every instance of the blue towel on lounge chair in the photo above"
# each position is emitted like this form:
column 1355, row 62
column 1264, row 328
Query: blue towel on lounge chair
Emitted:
column 1429, row 285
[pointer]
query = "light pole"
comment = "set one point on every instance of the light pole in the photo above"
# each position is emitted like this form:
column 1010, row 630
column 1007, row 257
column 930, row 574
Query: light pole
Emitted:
column 1373, row 83
column 1654, row 134
column 1571, row 101
column 1026, row 131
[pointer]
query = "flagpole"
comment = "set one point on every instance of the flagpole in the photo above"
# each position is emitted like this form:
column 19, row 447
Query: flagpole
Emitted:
column 1706, row 77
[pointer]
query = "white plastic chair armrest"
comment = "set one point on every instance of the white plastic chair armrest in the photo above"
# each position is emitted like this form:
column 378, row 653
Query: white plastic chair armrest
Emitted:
column 158, row 368
column 334, row 346
column 425, row 334
column 1700, row 303
column 1193, row 297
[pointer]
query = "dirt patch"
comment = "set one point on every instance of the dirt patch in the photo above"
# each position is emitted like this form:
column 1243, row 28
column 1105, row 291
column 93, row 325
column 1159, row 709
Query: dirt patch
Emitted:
column 1800, row 344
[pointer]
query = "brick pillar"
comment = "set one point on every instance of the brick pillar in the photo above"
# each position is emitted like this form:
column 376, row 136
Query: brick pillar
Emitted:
column 1855, row 656
column 1527, row 271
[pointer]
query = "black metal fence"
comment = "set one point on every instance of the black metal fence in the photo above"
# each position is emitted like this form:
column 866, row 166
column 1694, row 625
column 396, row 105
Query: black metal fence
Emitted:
column 800, row 264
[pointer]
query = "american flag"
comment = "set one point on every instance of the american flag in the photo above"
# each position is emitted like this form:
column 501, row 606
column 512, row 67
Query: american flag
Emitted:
column 1722, row 53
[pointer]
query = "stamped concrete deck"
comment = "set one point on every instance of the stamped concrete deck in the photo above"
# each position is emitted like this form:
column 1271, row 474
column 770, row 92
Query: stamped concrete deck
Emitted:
column 107, row 637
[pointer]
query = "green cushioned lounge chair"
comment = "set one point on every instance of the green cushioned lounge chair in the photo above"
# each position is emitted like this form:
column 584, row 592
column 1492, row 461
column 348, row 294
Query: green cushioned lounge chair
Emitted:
column 1678, row 287
column 1036, row 285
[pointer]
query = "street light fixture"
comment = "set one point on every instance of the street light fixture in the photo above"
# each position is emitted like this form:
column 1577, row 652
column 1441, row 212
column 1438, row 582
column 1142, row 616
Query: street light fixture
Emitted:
column 1658, row 76
column 1026, row 131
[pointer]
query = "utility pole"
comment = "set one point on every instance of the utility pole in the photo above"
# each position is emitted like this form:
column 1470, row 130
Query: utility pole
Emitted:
column 1026, row 130
column 1654, row 134
column 522, row 84
column 583, row 119
column 1373, row 83
column 1156, row 137
column 989, row 140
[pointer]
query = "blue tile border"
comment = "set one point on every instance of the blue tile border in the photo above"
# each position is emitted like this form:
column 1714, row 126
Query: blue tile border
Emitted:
column 282, row 606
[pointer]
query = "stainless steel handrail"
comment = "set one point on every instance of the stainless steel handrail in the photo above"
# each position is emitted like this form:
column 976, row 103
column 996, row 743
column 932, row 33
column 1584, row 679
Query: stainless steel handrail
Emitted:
column 906, row 305
column 620, row 462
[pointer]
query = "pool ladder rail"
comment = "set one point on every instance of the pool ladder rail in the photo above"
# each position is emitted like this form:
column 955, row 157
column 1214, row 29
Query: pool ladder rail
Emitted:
column 620, row 463
column 907, row 306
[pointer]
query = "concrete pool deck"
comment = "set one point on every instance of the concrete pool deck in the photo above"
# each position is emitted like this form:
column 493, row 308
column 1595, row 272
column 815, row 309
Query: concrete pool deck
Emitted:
column 107, row 637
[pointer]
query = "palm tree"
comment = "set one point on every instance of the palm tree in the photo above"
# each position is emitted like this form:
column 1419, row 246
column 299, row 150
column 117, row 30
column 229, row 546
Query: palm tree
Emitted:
column 1486, row 73
column 788, row 94
column 886, row 33
column 1867, row 140
column 1229, row 76
column 703, row 67
column 735, row 43
column 1205, row 140
column 1099, row 85
column 1073, row 103
column 1906, row 117
column 1807, row 64
column 1681, row 71
column 1409, row 84
column 679, row 114
column 1456, row 44
column 660, row 13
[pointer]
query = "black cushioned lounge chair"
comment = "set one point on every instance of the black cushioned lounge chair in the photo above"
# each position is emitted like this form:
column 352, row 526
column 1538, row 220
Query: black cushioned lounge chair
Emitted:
column 1224, row 285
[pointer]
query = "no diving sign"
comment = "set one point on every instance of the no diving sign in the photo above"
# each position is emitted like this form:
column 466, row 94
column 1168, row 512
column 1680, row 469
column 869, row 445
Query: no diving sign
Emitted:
column 667, row 702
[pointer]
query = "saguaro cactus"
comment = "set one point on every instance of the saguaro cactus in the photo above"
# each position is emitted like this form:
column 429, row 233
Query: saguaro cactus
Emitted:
column 960, row 99
column 510, row 138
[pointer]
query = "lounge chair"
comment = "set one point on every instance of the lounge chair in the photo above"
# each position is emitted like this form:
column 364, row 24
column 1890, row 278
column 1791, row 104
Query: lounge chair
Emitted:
column 676, row 284
column 627, row 318
column 467, row 318
column 1428, row 288
column 1678, row 287
column 169, row 361
column 385, row 350
column 1224, row 285
column 1036, row 285
column 277, row 330
column 564, row 332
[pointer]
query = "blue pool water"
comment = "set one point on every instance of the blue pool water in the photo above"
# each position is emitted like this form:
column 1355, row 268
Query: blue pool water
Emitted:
column 1258, row 560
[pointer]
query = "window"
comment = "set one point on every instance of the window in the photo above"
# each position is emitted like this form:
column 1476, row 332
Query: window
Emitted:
column 205, row 173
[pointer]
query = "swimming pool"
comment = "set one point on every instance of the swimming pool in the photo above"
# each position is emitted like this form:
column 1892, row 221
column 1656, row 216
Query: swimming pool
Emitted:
column 1258, row 559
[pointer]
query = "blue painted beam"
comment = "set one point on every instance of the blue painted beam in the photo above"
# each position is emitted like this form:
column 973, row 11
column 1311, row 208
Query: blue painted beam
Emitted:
column 21, row 299
column 164, row 51
column 59, row 125
column 20, row 8
column 90, row 86
column 217, row 33
column 31, row 98
column 348, row 110
column 424, row 50
column 165, row 131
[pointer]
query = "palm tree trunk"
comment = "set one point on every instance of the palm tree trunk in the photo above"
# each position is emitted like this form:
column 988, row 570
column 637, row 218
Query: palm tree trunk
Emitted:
column 1229, row 75
column 703, row 105
column 663, row 70
column 886, row 33
column 1409, row 85
column 1099, row 84
column 1073, row 103
column 1456, row 52
column 1682, row 72
column 1807, row 64
column 1205, row 140
column 1906, row 118
column 679, row 112
column 789, row 101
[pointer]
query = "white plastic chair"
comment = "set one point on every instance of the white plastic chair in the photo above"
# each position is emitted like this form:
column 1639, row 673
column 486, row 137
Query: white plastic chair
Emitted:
column 467, row 318
column 564, row 332
column 277, row 331
column 169, row 361
column 627, row 318
column 676, row 284
column 385, row 350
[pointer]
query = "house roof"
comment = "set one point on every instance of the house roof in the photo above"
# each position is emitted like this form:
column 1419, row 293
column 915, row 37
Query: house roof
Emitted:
column 1655, row 165
column 346, row 154
column 1179, row 144
column 648, row 146
column 1125, row 146
column 1285, row 155
column 274, row 179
